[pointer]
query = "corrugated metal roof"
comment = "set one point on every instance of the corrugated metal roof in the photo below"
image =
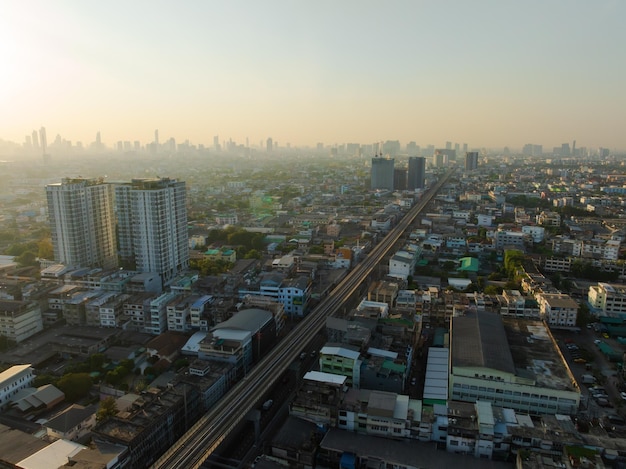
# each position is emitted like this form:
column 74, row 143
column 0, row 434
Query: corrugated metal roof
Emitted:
column 479, row 340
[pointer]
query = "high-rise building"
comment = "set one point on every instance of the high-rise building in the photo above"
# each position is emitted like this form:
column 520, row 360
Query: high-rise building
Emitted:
column 82, row 222
column 471, row 160
column 417, row 173
column 35, row 140
column 152, row 226
column 269, row 145
column 382, row 173
column 399, row 179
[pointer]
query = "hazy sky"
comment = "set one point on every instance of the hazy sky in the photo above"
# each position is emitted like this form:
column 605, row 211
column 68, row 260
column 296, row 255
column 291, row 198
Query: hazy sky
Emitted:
column 489, row 73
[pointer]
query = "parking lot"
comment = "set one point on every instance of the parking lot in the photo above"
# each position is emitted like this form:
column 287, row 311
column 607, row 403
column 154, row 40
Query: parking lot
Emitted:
column 602, row 386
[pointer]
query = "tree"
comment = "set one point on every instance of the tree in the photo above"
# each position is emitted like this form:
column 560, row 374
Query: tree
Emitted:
column 45, row 250
column 75, row 385
column 96, row 361
column 108, row 408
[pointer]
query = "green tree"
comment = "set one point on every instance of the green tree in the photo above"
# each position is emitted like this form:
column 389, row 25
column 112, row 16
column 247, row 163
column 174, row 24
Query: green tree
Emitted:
column 107, row 408
column 45, row 250
column 96, row 362
column 75, row 385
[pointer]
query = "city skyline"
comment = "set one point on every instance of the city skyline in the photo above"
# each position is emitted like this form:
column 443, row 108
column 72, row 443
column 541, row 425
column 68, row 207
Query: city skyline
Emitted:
column 486, row 73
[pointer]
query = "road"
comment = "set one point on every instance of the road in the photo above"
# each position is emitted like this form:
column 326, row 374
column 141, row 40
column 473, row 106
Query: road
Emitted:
column 207, row 434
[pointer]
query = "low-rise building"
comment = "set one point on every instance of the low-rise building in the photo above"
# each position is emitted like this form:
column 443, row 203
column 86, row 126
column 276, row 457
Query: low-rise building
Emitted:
column 557, row 309
column 19, row 320
column 12, row 380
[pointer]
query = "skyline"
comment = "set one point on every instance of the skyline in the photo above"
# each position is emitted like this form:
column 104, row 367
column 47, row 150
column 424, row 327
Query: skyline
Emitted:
column 486, row 73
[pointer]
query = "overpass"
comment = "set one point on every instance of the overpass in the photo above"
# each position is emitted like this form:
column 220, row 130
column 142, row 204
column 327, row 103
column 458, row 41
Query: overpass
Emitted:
column 205, row 436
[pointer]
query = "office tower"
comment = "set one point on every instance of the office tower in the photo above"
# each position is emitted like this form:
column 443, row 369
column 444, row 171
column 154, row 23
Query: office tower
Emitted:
column 152, row 226
column 82, row 222
column 465, row 148
column 35, row 140
column 471, row 160
column 43, row 140
column 216, row 143
column 269, row 145
column 443, row 156
column 156, row 137
column 448, row 145
column 399, row 179
column 417, row 173
column 382, row 173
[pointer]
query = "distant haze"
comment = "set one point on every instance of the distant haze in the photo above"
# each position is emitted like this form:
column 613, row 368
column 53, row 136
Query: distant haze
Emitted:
column 489, row 73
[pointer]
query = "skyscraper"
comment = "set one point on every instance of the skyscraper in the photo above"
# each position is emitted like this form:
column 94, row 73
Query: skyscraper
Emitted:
column 152, row 226
column 471, row 160
column 417, row 172
column 82, row 224
column 382, row 173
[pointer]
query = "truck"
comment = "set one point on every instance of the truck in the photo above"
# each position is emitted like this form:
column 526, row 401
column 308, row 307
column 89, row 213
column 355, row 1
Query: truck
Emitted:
column 587, row 379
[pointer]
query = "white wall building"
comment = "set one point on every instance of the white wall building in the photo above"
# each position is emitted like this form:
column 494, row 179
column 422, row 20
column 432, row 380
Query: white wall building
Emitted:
column 82, row 222
column 152, row 226
column 12, row 380
column 558, row 309
column 19, row 319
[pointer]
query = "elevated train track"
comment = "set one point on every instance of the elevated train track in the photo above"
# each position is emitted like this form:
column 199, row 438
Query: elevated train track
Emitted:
column 200, row 441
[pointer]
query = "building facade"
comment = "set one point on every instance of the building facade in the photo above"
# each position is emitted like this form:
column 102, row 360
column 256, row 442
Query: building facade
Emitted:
column 82, row 222
column 382, row 173
column 152, row 226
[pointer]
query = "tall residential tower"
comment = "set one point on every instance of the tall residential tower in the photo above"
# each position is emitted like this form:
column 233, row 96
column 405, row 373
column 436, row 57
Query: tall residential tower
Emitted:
column 82, row 222
column 417, row 172
column 382, row 173
column 152, row 226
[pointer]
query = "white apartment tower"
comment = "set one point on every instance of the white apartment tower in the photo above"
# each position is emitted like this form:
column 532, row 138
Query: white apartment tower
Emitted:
column 152, row 226
column 82, row 222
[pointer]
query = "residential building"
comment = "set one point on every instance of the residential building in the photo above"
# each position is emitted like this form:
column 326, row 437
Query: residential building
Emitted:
column 557, row 309
column 341, row 360
column 382, row 173
column 19, row 320
column 471, row 160
column 12, row 380
column 511, row 239
column 72, row 424
column 417, row 173
column 295, row 294
column 82, row 222
column 537, row 233
column 152, row 226
column 609, row 298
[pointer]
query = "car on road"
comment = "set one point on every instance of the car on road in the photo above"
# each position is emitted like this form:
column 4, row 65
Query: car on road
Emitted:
column 413, row 381
column 623, row 395
column 597, row 341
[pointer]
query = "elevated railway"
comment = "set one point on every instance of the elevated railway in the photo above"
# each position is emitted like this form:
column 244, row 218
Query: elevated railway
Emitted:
column 203, row 438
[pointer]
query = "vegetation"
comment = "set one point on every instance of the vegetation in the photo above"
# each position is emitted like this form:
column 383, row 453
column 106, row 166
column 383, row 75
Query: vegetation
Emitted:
column 108, row 408
column 75, row 385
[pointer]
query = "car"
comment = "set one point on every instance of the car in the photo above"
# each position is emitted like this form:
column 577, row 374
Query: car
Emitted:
column 623, row 395
column 605, row 335
column 597, row 341
column 413, row 381
column 302, row 355
column 314, row 354
column 580, row 360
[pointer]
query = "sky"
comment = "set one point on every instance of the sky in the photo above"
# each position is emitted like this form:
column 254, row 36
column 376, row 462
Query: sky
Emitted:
column 486, row 73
